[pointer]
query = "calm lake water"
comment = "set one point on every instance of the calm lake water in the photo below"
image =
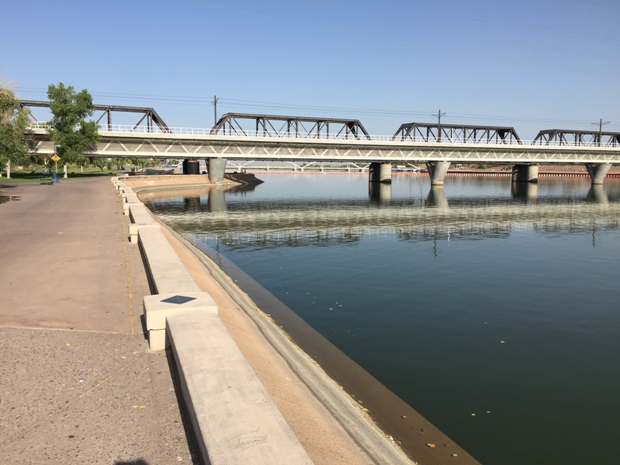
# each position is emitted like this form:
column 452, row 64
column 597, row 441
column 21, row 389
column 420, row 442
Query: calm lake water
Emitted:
column 471, row 299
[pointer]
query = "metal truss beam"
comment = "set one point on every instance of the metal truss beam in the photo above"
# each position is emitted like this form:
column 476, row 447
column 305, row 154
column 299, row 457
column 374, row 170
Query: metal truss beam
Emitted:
column 289, row 126
column 456, row 133
column 576, row 137
column 150, row 118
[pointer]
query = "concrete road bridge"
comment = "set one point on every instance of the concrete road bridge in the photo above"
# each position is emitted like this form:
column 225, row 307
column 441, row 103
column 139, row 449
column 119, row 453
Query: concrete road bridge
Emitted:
column 252, row 137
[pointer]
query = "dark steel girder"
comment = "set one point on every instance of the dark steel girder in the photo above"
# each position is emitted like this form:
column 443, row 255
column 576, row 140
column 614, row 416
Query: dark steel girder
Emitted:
column 577, row 137
column 456, row 133
column 290, row 126
column 154, row 122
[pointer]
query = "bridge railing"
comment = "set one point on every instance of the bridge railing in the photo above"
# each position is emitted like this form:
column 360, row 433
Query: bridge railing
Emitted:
column 120, row 128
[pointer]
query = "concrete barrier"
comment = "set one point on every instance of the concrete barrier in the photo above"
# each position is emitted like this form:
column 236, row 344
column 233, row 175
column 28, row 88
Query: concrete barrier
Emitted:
column 130, row 197
column 157, row 309
column 235, row 419
column 167, row 273
column 141, row 217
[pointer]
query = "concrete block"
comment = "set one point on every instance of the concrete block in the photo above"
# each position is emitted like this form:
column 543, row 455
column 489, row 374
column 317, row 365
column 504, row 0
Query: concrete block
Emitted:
column 127, row 205
column 167, row 272
column 131, row 198
column 140, row 217
column 140, row 214
column 158, row 307
column 158, row 340
column 135, row 228
column 235, row 420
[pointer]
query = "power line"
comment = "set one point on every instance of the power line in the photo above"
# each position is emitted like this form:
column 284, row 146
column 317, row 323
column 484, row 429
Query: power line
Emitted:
column 186, row 100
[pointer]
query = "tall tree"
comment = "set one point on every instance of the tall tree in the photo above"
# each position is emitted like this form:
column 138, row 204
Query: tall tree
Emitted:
column 69, row 130
column 13, row 122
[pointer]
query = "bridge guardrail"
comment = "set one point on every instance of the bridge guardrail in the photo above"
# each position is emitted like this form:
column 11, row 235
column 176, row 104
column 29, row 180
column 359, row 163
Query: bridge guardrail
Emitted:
column 120, row 128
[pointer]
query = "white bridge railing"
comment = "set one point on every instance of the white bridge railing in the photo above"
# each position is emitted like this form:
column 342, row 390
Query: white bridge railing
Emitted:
column 178, row 131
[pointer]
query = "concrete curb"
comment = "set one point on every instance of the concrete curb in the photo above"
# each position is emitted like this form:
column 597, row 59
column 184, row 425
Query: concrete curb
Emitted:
column 229, row 407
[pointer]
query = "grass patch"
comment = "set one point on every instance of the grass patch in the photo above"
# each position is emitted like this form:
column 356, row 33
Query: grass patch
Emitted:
column 40, row 177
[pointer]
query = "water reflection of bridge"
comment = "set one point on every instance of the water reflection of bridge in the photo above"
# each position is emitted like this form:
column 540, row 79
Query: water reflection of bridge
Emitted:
column 294, row 224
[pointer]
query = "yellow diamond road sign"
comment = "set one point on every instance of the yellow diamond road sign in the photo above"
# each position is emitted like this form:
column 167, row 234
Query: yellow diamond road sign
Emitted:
column 56, row 158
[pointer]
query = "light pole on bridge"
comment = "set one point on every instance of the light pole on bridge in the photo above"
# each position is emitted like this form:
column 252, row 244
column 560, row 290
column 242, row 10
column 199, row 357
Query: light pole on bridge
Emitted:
column 439, row 115
column 600, row 130
column 215, row 99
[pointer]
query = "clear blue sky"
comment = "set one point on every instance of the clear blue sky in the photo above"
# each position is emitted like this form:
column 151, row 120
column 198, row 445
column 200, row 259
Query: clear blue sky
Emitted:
column 531, row 64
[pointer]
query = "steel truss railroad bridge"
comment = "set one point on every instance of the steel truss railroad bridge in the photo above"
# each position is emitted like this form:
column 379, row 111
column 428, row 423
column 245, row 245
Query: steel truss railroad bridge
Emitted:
column 249, row 137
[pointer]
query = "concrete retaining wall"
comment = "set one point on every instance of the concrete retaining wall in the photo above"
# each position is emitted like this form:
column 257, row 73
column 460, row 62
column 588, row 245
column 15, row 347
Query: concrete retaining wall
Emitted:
column 235, row 420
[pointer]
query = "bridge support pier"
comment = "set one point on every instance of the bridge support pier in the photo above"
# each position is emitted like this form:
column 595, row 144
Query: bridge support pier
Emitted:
column 525, row 173
column 525, row 191
column 437, row 170
column 216, row 167
column 598, row 171
column 380, row 172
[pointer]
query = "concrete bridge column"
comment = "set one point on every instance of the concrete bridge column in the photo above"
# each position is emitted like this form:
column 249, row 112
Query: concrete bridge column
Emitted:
column 598, row 171
column 525, row 173
column 437, row 170
column 216, row 168
column 380, row 172
column 524, row 191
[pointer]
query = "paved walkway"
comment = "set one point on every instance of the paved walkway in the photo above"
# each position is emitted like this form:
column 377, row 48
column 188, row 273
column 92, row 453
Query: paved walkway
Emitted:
column 77, row 383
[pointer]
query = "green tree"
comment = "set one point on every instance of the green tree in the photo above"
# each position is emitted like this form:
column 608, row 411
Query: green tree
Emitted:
column 13, row 123
column 69, row 130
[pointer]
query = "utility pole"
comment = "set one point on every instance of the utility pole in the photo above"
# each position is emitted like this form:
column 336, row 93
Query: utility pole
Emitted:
column 215, row 99
column 600, row 130
column 439, row 115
